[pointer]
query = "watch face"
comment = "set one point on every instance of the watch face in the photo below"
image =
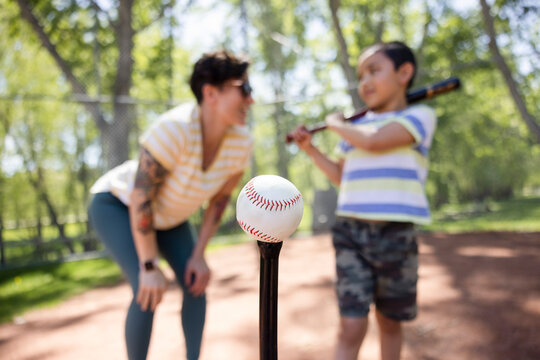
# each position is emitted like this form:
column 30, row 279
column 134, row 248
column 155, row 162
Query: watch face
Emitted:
column 149, row 265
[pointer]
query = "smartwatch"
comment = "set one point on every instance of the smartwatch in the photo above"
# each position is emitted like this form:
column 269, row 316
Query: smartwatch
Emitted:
column 149, row 265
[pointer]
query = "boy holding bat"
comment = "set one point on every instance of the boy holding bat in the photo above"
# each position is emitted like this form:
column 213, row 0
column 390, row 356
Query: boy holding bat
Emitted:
column 381, row 172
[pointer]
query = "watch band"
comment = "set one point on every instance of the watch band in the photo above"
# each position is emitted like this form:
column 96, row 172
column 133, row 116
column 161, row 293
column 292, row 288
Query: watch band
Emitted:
column 150, row 265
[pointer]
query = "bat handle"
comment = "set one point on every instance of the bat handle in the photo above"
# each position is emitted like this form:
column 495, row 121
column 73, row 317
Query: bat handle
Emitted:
column 316, row 128
column 322, row 126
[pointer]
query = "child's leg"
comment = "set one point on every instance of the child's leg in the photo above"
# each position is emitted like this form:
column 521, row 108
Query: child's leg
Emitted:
column 354, row 286
column 351, row 333
column 176, row 246
column 397, row 274
column 110, row 219
column 391, row 337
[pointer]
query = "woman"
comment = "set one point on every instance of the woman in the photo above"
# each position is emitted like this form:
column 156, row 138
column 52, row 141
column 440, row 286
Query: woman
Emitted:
column 140, row 209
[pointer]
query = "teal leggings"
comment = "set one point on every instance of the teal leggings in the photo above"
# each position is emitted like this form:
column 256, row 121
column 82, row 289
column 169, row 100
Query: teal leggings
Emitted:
column 110, row 219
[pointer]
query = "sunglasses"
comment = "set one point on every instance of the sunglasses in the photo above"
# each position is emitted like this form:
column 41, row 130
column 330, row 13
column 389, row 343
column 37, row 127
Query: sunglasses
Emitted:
column 244, row 86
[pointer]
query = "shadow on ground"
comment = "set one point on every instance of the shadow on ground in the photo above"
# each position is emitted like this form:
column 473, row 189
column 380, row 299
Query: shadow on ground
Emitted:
column 479, row 298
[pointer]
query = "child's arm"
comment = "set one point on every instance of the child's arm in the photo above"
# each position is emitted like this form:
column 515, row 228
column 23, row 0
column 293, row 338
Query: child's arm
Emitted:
column 332, row 169
column 369, row 138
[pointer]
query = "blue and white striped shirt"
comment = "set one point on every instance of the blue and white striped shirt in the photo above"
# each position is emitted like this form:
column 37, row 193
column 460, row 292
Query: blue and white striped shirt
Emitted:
column 389, row 185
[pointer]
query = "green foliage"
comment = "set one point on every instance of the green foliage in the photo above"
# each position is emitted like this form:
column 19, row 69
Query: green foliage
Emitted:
column 482, row 150
column 519, row 214
column 42, row 286
column 479, row 150
column 25, row 289
column 49, row 233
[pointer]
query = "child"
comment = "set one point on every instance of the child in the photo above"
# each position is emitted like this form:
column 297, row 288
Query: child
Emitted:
column 381, row 173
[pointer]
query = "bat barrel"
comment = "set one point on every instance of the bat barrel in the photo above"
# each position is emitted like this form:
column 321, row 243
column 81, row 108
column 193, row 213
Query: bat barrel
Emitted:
column 433, row 90
column 268, row 295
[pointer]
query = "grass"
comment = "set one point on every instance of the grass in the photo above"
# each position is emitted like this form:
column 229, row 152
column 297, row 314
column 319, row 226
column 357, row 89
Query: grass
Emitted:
column 520, row 214
column 49, row 232
column 47, row 285
column 25, row 289
column 43, row 286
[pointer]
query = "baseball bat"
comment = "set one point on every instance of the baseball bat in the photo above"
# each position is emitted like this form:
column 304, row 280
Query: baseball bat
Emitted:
column 268, row 295
column 428, row 92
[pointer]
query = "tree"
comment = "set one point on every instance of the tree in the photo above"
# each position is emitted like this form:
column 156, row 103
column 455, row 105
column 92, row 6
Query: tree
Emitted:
column 100, row 34
column 344, row 57
column 2, row 196
column 503, row 67
column 375, row 22
column 279, row 26
column 33, row 129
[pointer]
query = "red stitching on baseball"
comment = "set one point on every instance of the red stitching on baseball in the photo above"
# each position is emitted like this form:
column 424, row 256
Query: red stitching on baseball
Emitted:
column 258, row 233
column 257, row 199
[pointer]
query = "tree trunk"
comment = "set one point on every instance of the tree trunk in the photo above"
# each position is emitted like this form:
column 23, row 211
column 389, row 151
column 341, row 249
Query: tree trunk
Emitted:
column 38, row 239
column 37, row 183
column 123, row 110
column 77, row 87
column 420, row 59
column 283, row 156
column 2, row 253
column 530, row 121
column 244, row 23
column 348, row 70
column 116, row 138
column 117, row 148
column 39, row 224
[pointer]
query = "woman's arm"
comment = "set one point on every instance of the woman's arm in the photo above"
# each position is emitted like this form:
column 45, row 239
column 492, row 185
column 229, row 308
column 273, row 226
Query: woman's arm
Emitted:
column 197, row 273
column 149, row 177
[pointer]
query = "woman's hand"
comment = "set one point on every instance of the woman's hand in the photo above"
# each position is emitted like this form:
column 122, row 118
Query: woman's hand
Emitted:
column 152, row 285
column 197, row 275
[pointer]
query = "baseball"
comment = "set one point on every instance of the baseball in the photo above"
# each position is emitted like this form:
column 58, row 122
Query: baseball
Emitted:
column 269, row 208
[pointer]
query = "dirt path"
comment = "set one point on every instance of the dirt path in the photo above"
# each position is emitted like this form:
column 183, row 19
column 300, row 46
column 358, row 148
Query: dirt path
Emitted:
column 479, row 298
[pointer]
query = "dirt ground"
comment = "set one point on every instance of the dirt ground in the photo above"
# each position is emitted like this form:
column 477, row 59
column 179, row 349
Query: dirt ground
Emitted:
column 479, row 298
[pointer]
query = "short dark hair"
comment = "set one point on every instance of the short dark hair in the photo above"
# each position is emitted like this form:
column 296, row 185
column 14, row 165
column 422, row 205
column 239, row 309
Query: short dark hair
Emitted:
column 399, row 53
column 215, row 68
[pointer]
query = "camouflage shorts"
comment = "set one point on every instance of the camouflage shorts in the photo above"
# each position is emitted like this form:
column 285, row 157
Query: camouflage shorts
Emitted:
column 376, row 263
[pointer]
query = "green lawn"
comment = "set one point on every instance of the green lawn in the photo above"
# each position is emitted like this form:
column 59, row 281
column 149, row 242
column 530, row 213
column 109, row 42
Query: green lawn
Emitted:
column 521, row 214
column 47, row 285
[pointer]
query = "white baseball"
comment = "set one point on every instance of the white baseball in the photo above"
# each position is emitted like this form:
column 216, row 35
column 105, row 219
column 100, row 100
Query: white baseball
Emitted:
column 269, row 208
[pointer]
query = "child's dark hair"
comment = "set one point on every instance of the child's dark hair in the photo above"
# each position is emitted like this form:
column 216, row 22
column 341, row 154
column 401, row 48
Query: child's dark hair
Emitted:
column 397, row 52
column 216, row 68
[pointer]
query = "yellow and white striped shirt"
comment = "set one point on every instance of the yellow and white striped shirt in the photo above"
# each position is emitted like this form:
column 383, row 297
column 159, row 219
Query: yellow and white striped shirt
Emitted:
column 175, row 141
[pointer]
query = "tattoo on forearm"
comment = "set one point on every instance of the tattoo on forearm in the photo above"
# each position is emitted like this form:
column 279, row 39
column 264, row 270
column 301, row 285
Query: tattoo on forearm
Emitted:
column 145, row 222
column 150, row 175
column 150, row 172
column 220, row 205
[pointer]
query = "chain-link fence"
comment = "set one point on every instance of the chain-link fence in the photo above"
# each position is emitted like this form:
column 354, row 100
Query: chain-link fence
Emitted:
column 55, row 149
